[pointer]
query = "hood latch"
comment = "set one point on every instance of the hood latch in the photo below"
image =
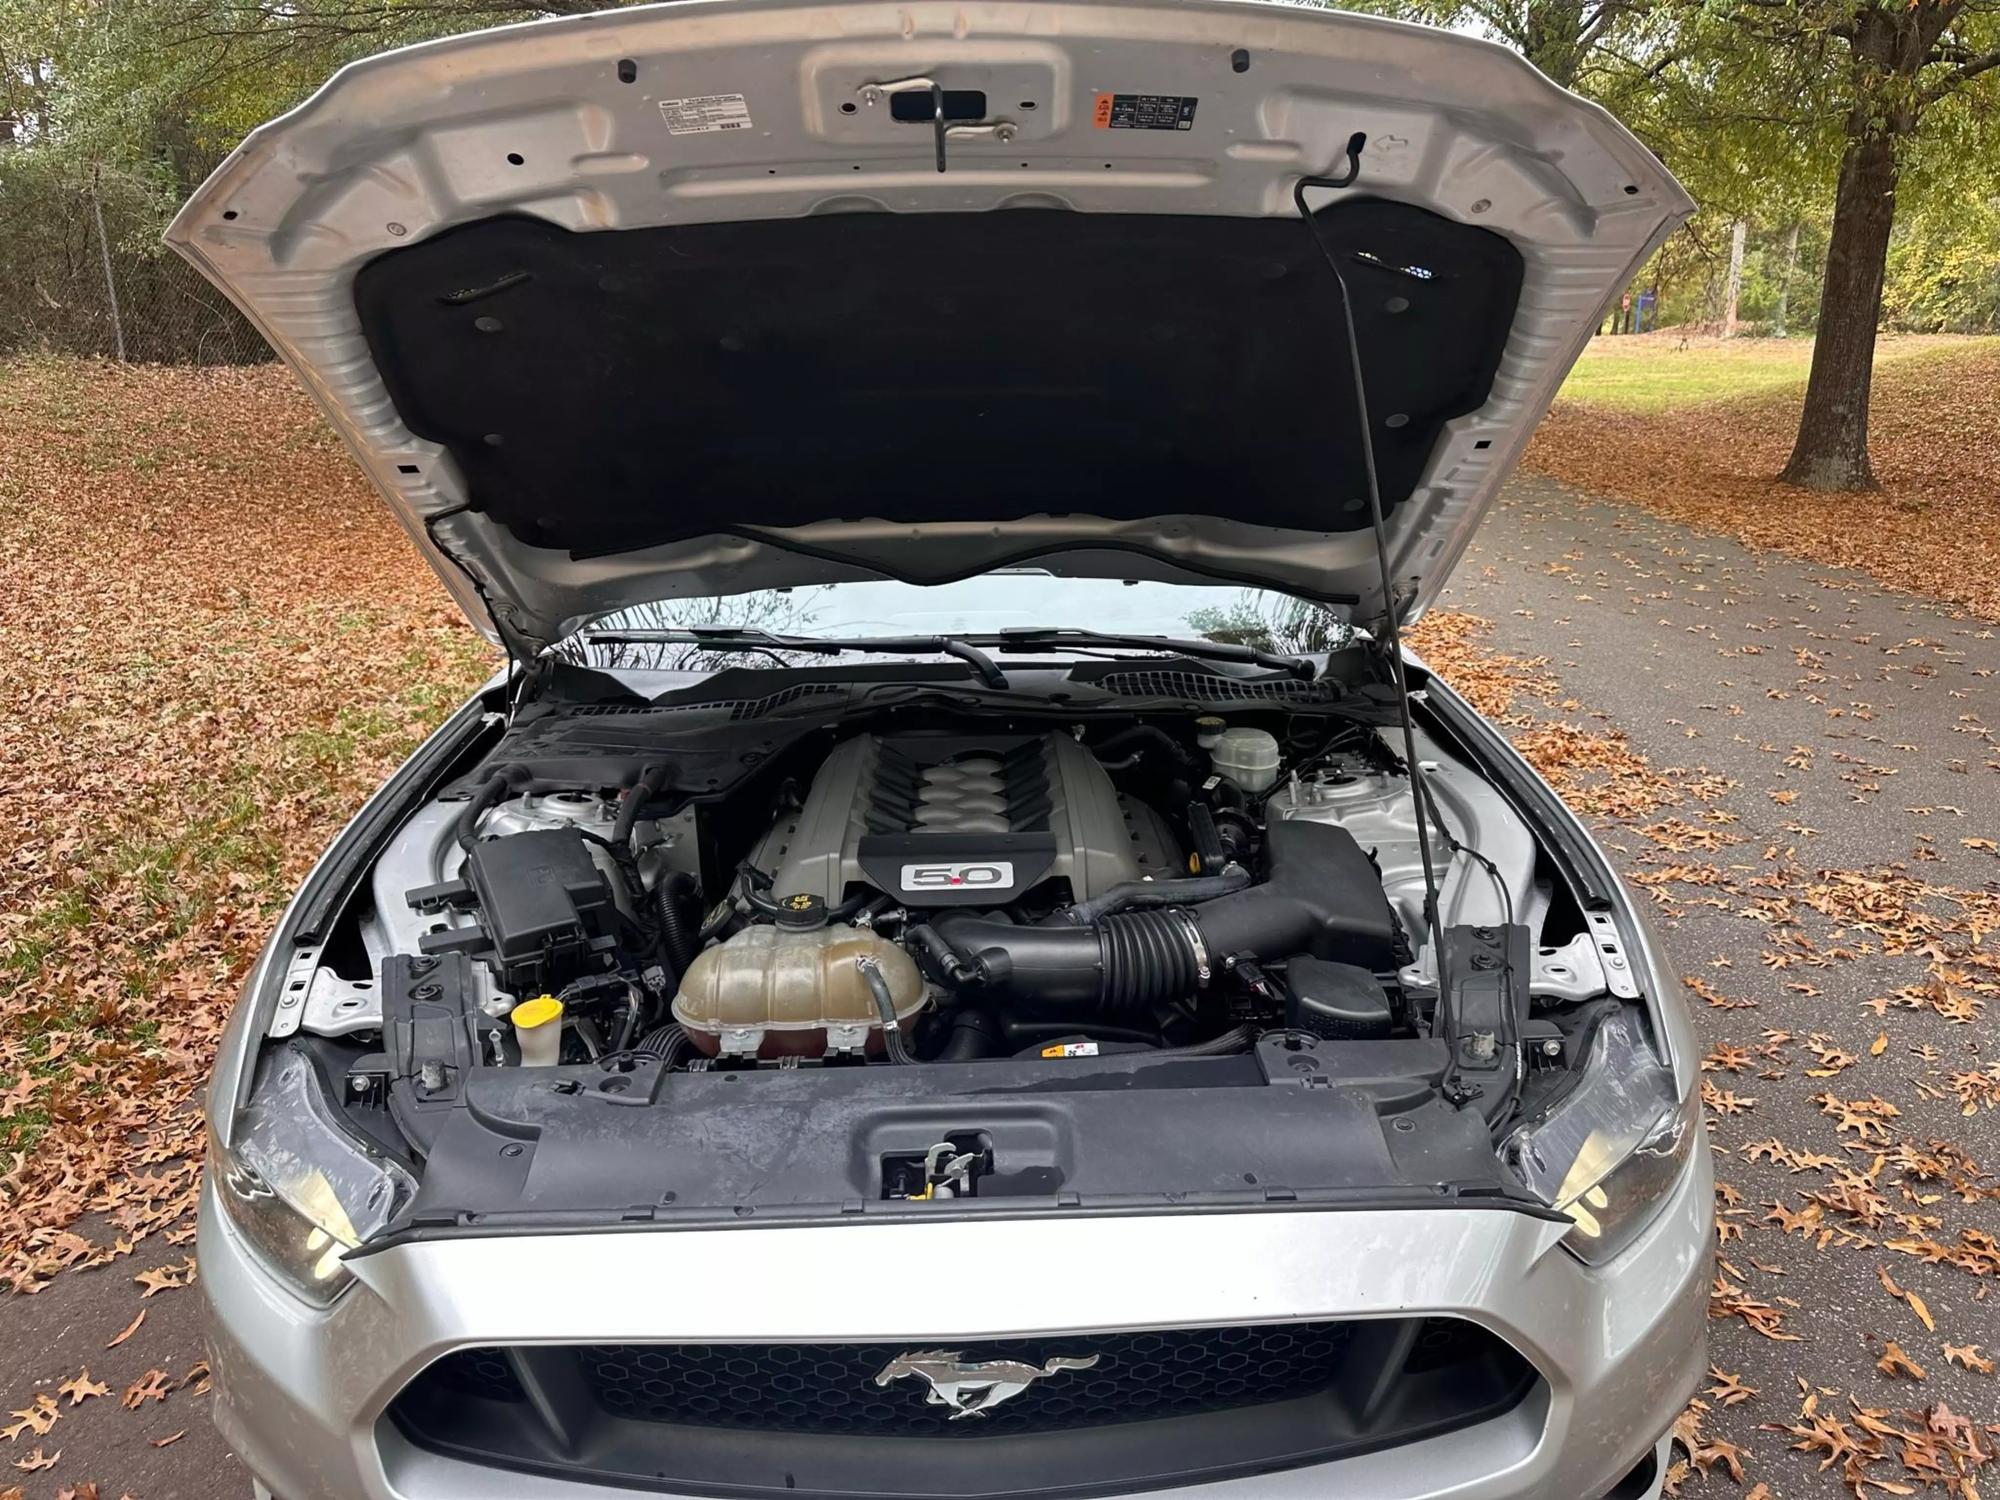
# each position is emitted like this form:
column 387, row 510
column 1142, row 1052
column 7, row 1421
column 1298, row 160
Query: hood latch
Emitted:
column 943, row 127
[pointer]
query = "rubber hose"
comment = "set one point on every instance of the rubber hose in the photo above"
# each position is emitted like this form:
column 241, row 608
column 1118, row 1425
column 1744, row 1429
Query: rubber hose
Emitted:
column 629, row 1026
column 1146, row 893
column 1147, row 959
column 973, row 1032
column 679, row 932
column 1144, row 734
column 950, row 964
column 636, row 797
column 892, row 1031
column 465, row 828
column 664, row 1042
column 491, row 791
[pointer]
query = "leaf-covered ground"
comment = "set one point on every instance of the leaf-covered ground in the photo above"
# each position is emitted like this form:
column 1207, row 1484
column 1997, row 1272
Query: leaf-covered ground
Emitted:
column 217, row 643
column 214, row 643
column 1933, row 529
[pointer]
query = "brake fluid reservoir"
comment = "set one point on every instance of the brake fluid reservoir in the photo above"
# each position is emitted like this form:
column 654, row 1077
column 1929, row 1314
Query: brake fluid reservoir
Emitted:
column 1248, row 757
column 776, row 991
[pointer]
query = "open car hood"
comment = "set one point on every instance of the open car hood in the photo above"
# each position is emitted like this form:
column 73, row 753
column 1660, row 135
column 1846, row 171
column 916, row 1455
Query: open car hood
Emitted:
column 675, row 301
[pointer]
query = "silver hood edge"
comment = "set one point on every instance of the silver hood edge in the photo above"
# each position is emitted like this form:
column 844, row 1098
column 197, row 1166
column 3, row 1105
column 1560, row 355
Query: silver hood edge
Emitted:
column 402, row 147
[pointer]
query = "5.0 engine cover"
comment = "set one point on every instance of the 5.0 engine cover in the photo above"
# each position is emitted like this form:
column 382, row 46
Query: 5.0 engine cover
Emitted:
column 953, row 820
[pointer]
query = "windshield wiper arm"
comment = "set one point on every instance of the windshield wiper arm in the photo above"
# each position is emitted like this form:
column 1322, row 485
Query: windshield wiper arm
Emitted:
column 1038, row 638
column 750, row 638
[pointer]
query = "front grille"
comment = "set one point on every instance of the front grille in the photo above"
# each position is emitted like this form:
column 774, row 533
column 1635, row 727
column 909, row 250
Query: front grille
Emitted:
column 1234, row 1399
column 812, row 1388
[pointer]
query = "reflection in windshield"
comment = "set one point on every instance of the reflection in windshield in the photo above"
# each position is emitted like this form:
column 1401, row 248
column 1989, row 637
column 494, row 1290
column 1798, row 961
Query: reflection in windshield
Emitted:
column 1274, row 622
column 1009, row 599
column 780, row 611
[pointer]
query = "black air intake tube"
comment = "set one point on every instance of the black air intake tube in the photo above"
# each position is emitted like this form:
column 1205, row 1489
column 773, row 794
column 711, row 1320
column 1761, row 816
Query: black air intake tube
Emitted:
column 1123, row 964
column 1323, row 897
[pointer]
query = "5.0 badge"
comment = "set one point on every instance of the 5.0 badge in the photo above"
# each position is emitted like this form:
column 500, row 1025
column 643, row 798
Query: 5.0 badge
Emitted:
column 960, row 875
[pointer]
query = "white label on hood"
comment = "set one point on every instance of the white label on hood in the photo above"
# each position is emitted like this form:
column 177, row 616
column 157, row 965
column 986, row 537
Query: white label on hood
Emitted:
column 706, row 114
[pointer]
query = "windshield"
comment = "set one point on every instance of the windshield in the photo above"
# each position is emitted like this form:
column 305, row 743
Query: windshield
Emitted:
column 1006, row 600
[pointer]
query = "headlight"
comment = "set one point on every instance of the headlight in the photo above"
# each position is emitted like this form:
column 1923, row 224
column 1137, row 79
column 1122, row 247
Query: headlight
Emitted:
column 1609, row 1152
column 300, row 1189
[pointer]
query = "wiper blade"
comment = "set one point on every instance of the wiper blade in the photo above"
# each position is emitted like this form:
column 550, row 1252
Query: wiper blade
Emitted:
column 1037, row 638
column 749, row 638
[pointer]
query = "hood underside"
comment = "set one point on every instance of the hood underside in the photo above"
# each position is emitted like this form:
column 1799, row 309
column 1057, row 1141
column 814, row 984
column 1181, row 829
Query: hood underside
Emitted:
column 675, row 301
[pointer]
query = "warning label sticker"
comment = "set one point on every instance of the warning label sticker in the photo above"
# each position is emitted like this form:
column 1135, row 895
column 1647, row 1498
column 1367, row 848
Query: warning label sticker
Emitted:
column 706, row 114
column 1144, row 112
column 1071, row 1049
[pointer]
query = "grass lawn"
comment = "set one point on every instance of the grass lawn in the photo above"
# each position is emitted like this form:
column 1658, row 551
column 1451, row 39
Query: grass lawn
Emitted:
column 1659, row 371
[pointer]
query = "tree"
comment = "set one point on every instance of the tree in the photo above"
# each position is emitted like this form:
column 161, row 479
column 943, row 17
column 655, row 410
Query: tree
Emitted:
column 1881, row 69
column 1944, row 265
column 1586, row 45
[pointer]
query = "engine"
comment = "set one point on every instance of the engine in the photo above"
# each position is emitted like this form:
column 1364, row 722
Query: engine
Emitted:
column 1030, row 896
column 948, row 820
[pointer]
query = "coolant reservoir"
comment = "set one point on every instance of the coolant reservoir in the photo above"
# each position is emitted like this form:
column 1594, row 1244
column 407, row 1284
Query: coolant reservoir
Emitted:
column 776, row 991
column 1248, row 757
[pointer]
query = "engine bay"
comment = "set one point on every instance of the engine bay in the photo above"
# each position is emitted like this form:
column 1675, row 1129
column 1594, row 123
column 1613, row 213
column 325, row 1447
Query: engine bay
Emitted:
column 1004, row 888
column 868, row 911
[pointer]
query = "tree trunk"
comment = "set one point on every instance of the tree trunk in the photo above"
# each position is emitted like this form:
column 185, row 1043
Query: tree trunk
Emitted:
column 1738, row 233
column 1785, row 281
column 1832, row 448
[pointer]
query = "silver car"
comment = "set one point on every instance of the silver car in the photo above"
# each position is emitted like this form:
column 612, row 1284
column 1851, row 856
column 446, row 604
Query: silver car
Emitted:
column 961, row 958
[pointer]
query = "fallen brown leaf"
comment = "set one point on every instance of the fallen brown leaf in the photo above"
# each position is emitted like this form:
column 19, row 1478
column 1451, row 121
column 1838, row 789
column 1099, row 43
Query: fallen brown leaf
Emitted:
column 151, row 1386
column 1728, row 1389
column 80, row 1387
column 36, row 1417
column 1968, row 1355
column 130, row 1329
column 1895, row 1362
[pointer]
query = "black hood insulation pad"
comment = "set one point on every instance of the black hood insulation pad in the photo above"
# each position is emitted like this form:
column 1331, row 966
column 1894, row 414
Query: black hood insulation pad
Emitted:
column 609, row 391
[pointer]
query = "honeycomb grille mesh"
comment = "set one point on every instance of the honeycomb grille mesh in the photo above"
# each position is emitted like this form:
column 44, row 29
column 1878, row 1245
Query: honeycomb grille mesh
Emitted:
column 479, row 1372
column 834, row 1389
column 737, row 708
column 1203, row 687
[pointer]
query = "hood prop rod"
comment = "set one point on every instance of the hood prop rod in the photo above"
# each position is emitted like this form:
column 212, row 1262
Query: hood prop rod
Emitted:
column 1392, row 630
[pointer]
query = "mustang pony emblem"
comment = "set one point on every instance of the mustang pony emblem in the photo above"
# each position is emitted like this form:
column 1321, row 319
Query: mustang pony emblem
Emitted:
column 971, row 1390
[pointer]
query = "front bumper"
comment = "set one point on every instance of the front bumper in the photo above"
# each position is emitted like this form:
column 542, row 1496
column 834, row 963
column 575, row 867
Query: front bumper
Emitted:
column 299, row 1390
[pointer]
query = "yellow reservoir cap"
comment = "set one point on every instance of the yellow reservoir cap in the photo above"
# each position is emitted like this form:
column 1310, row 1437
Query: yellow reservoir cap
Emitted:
column 536, row 1012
